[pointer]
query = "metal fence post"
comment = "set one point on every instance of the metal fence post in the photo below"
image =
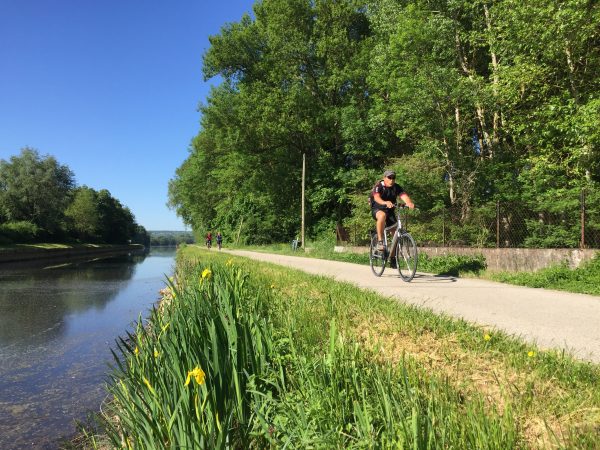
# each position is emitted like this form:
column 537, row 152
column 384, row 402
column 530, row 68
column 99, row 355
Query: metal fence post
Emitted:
column 497, row 223
column 582, row 201
column 444, row 227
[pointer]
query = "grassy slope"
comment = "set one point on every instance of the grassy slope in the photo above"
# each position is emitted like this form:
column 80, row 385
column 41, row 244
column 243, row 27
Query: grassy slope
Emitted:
column 554, row 399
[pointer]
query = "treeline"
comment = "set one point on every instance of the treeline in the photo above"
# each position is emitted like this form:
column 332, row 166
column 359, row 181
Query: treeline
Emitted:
column 472, row 102
column 170, row 238
column 40, row 202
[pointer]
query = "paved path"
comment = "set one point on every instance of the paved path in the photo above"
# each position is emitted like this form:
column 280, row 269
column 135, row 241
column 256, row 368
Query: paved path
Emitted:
column 552, row 319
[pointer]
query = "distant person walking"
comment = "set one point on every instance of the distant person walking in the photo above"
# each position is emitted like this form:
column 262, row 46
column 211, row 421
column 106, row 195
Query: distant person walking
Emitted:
column 219, row 239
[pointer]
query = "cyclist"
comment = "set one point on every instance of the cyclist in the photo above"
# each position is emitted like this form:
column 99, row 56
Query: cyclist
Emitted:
column 208, row 239
column 219, row 239
column 383, row 200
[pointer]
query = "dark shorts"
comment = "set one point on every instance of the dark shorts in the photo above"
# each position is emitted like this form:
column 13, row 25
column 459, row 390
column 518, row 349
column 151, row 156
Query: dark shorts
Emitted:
column 390, row 215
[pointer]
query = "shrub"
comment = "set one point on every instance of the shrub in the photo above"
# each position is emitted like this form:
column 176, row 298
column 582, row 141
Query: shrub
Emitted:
column 19, row 232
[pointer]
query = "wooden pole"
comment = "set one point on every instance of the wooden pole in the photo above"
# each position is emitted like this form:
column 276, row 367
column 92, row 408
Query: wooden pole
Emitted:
column 303, row 184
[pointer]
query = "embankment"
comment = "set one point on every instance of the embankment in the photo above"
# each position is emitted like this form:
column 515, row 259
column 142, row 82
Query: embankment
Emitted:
column 30, row 253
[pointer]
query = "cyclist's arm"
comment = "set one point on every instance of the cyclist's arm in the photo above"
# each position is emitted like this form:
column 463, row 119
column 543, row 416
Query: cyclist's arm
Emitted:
column 377, row 198
column 406, row 199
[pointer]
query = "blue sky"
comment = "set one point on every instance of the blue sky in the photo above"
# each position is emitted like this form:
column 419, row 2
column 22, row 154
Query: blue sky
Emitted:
column 110, row 88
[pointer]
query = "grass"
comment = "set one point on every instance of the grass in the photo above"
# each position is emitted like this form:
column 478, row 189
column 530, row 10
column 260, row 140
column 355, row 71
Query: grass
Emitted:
column 278, row 358
column 585, row 279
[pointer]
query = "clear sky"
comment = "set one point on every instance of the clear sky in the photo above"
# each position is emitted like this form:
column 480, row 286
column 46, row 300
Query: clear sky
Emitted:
column 110, row 88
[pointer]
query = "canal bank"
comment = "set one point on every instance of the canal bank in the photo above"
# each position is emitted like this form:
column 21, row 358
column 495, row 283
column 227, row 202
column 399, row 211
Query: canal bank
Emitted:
column 60, row 251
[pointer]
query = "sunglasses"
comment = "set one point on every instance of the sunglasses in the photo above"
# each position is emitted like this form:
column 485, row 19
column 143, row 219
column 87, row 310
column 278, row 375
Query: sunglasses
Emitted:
column 391, row 178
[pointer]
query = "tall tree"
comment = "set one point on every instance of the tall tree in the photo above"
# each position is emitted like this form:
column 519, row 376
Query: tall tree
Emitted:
column 35, row 188
column 83, row 214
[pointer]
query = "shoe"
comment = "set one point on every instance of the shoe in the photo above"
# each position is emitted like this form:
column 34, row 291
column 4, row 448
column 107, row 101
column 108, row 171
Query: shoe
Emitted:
column 393, row 263
column 380, row 246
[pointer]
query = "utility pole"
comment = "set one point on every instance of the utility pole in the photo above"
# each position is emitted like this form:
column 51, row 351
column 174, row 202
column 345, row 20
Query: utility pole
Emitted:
column 303, row 183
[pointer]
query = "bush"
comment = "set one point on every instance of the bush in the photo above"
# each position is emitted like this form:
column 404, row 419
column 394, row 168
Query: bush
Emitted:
column 18, row 232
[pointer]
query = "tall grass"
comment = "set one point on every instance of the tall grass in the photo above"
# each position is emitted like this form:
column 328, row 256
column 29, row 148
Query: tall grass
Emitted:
column 584, row 279
column 183, row 380
column 247, row 355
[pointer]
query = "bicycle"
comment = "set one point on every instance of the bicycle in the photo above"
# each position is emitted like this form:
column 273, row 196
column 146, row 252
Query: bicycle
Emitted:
column 406, row 255
column 208, row 243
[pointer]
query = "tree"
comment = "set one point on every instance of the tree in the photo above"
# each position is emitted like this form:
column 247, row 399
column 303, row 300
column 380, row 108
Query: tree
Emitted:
column 117, row 224
column 35, row 188
column 83, row 214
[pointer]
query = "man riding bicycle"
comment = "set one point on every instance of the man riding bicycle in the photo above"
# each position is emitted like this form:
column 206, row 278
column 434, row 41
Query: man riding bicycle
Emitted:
column 383, row 200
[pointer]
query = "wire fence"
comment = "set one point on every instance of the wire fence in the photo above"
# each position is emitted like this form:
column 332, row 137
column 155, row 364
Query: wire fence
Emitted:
column 573, row 221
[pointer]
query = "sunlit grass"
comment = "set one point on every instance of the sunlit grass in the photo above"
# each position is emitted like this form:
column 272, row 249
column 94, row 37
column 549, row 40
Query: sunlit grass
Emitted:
column 290, row 359
column 584, row 279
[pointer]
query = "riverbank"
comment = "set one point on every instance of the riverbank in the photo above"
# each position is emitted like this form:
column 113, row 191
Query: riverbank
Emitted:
column 351, row 353
column 32, row 252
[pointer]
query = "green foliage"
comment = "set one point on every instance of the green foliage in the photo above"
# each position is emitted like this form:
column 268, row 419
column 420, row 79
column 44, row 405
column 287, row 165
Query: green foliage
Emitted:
column 272, row 375
column 35, row 188
column 454, row 265
column 585, row 279
column 171, row 237
column 40, row 191
column 470, row 102
column 18, row 232
column 84, row 215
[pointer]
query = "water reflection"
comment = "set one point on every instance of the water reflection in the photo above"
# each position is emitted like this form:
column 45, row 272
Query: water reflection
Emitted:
column 57, row 325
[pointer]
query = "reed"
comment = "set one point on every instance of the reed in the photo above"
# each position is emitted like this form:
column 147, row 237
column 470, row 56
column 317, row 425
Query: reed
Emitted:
column 243, row 354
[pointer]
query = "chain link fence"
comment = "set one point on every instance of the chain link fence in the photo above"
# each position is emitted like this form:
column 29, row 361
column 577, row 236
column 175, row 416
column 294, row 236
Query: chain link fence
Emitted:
column 571, row 221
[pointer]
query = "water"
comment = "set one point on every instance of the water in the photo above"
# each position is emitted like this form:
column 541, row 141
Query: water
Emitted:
column 57, row 326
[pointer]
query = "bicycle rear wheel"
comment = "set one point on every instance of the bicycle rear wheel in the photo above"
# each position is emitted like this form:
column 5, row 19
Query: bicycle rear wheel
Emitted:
column 376, row 257
column 407, row 256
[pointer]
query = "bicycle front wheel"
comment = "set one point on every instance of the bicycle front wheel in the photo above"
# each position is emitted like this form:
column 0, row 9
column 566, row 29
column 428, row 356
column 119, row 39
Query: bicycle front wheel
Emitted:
column 407, row 257
column 376, row 257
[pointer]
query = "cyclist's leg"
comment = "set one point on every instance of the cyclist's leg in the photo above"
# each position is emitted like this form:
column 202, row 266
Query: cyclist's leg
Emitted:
column 380, row 216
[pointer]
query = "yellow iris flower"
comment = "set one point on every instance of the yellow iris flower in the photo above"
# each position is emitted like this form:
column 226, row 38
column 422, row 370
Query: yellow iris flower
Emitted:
column 198, row 374
column 206, row 273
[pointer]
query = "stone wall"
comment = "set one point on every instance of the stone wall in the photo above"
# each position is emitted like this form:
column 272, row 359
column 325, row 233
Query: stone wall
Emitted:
column 514, row 259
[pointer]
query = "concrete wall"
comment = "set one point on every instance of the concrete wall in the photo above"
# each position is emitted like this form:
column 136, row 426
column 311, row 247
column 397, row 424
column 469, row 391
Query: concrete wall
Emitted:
column 515, row 259
column 21, row 254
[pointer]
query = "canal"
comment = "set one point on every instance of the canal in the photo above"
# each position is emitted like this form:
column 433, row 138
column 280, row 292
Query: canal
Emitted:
column 57, row 326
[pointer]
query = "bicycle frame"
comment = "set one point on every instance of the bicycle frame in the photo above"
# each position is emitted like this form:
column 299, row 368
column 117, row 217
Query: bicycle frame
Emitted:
column 399, row 230
column 402, row 242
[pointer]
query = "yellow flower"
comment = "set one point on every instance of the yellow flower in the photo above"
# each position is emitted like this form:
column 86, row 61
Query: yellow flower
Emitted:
column 156, row 353
column 206, row 273
column 198, row 375
column 531, row 353
column 272, row 286
column 147, row 383
column 487, row 337
column 136, row 351
column 229, row 262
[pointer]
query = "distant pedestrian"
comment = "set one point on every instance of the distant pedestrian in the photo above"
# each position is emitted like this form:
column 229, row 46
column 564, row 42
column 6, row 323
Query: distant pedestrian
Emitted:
column 219, row 239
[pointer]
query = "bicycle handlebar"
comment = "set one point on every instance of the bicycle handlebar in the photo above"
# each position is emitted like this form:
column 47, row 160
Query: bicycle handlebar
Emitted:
column 400, row 206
